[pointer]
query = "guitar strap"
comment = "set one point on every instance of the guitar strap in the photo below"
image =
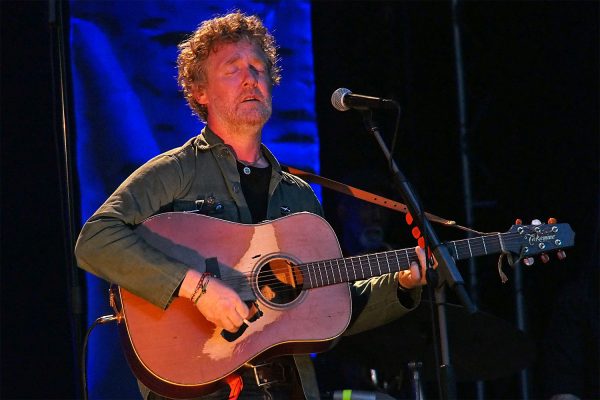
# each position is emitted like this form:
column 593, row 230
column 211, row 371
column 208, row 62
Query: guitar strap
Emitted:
column 361, row 194
column 308, row 377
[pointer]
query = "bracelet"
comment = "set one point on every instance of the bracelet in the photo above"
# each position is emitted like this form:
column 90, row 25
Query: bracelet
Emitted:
column 200, row 287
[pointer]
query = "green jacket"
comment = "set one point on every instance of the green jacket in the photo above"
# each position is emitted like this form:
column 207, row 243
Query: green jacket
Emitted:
column 202, row 176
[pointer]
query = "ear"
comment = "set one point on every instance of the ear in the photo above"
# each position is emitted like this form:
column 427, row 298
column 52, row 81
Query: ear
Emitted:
column 200, row 96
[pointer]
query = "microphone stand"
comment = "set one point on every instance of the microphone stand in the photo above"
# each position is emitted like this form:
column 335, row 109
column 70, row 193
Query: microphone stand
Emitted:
column 447, row 272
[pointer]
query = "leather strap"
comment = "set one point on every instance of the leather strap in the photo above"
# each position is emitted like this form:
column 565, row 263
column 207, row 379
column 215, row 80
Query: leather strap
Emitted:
column 308, row 377
column 360, row 194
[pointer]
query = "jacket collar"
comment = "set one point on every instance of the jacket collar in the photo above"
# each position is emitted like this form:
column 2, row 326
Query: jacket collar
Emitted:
column 207, row 140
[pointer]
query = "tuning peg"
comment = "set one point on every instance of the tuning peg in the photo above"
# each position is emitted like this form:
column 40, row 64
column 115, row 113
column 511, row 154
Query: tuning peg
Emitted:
column 545, row 258
column 409, row 219
column 518, row 221
column 561, row 254
column 552, row 220
column 536, row 222
column 528, row 261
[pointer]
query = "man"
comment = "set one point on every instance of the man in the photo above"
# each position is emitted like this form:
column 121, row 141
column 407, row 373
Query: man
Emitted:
column 227, row 70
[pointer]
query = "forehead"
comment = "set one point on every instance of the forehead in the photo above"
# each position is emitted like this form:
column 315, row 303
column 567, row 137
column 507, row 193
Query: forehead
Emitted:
column 224, row 53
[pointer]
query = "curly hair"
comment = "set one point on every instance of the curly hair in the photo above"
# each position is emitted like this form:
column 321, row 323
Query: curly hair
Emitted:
column 230, row 28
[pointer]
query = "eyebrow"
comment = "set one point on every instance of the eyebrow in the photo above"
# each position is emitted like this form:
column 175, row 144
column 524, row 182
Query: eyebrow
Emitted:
column 232, row 59
column 237, row 56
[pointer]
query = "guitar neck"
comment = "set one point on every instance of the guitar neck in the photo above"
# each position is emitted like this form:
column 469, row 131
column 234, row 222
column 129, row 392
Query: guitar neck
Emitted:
column 339, row 270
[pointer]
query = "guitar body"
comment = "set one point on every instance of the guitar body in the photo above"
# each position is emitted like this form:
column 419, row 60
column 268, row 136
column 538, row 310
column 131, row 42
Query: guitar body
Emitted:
column 177, row 353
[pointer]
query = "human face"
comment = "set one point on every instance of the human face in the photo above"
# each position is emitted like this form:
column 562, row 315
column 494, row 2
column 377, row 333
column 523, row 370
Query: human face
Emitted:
column 238, row 87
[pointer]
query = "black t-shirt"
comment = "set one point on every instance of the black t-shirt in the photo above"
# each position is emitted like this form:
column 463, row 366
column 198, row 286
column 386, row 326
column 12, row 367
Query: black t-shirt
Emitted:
column 255, row 186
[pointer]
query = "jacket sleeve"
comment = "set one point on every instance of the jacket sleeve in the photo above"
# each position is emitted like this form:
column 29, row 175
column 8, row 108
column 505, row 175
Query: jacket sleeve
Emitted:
column 375, row 302
column 109, row 247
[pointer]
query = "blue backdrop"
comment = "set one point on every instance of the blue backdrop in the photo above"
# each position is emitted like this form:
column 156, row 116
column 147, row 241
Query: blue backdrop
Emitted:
column 128, row 108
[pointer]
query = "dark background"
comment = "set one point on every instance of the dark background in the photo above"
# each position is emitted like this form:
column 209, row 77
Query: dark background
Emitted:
column 531, row 71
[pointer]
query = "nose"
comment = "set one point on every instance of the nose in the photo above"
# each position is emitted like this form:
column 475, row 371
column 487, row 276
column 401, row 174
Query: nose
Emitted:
column 250, row 76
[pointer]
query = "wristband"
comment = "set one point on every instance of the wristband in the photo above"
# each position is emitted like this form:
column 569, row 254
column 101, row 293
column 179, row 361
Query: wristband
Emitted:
column 200, row 287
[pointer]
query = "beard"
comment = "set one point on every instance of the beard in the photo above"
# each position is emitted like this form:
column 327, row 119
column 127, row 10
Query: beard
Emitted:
column 253, row 113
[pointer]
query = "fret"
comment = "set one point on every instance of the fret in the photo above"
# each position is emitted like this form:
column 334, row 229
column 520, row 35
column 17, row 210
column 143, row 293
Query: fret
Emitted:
column 371, row 264
column 407, row 258
column 353, row 269
column 501, row 243
column 320, row 274
column 339, row 270
column 362, row 270
column 346, row 269
column 333, row 278
column 412, row 256
column 407, row 262
column 484, row 248
column 363, row 260
column 310, row 280
column 308, row 274
column 469, row 245
column 389, row 269
column 495, row 246
column 456, row 250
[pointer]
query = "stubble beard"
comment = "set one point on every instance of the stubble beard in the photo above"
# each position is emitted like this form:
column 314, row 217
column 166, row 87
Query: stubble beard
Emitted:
column 258, row 116
column 244, row 116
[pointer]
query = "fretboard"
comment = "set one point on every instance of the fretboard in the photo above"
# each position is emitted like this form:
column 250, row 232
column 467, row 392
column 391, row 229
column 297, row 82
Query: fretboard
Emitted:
column 348, row 269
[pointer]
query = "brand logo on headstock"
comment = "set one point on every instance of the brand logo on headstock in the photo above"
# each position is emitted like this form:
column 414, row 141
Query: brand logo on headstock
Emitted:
column 533, row 238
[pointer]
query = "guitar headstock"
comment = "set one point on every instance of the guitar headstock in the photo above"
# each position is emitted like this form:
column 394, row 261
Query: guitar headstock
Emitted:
column 539, row 238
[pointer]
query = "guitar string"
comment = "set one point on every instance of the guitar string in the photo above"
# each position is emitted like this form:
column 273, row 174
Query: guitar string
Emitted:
column 355, row 262
column 283, row 288
column 350, row 262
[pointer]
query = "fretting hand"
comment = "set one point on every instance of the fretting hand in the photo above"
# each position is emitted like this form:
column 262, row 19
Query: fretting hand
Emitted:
column 415, row 276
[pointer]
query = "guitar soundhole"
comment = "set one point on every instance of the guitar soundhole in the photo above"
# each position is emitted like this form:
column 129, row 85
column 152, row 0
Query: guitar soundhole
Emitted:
column 279, row 282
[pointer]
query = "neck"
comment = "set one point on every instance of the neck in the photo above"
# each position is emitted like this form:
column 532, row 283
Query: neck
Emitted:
column 245, row 142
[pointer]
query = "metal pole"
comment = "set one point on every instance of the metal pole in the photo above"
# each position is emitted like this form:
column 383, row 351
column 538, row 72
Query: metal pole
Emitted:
column 521, row 323
column 61, row 110
column 464, row 156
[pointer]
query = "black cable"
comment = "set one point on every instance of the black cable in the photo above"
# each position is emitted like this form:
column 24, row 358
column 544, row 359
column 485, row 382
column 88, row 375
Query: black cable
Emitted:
column 100, row 321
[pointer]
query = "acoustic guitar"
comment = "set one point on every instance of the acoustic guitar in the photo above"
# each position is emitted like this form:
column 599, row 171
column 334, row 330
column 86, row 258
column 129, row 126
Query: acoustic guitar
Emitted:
column 292, row 269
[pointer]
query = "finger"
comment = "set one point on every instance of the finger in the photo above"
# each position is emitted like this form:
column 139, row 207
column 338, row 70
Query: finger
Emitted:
column 222, row 323
column 415, row 272
column 421, row 255
column 237, row 321
column 229, row 327
column 242, row 309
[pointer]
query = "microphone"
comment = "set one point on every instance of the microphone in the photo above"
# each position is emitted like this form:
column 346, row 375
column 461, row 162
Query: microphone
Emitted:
column 343, row 100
